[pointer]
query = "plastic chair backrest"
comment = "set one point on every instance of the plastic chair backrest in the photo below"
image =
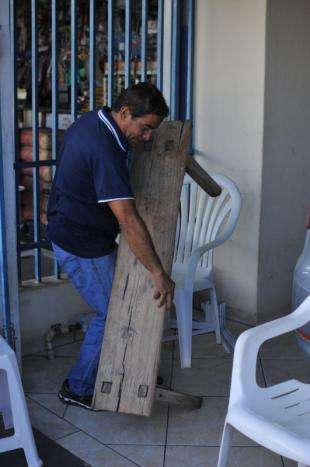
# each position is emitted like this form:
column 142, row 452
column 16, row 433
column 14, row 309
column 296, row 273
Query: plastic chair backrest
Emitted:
column 203, row 219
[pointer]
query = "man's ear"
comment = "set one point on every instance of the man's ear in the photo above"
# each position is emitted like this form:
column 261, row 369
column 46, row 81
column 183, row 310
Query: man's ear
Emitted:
column 124, row 112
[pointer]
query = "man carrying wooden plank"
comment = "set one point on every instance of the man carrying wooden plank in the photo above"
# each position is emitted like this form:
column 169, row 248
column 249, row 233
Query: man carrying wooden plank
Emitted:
column 91, row 200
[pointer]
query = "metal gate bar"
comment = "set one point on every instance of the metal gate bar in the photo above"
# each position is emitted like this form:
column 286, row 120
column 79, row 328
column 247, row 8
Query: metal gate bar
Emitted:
column 175, row 65
column 15, row 150
column 55, row 98
column 35, row 137
column 160, row 30
column 144, row 40
column 54, row 79
column 73, row 82
column 110, row 51
column 128, row 13
column 92, row 54
column 4, row 281
column 190, row 59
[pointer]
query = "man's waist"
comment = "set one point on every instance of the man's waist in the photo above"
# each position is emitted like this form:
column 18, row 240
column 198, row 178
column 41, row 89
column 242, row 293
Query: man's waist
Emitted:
column 89, row 227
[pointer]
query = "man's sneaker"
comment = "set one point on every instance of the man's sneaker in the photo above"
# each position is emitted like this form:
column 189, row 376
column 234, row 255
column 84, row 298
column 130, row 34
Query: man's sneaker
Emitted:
column 68, row 397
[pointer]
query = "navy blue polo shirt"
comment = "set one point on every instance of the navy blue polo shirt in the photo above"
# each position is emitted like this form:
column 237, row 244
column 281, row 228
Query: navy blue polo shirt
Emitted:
column 92, row 170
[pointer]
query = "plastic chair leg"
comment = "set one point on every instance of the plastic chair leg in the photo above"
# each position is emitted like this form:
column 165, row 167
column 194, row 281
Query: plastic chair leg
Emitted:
column 184, row 311
column 216, row 315
column 22, row 426
column 5, row 403
column 225, row 446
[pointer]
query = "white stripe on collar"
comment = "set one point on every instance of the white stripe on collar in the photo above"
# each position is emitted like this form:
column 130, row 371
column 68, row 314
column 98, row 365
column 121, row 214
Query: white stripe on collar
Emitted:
column 111, row 128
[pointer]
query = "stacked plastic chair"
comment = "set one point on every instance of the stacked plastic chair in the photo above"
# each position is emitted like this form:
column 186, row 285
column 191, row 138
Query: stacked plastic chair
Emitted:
column 14, row 409
column 204, row 224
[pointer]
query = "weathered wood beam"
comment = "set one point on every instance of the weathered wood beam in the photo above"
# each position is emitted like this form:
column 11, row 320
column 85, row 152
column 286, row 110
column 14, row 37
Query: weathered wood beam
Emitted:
column 202, row 177
column 128, row 366
column 178, row 398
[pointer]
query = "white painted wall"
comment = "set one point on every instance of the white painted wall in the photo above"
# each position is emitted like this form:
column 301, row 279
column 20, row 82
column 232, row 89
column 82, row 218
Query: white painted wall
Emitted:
column 228, row 138
column 286, row 163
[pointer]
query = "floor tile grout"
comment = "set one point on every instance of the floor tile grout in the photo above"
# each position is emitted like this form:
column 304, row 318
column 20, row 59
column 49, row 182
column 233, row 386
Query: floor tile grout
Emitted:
column 123, row 456
column 288, row 360
column 209, row 357
column 298, row 357
column 37, row 355
column 232, row 320
column 98, row 441
column 65, row 436
column 50, row 411
column 243, row 446
column 65, row 356
column 136, row 444
column 108, row 445
column 65, row 411
column 40, row 352
column 112, row 444
column 213, row 445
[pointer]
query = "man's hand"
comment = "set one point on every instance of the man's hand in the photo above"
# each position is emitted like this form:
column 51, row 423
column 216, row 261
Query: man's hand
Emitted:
column 164, row 289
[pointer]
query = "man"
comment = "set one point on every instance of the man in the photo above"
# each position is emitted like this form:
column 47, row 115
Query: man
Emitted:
column 91, row 200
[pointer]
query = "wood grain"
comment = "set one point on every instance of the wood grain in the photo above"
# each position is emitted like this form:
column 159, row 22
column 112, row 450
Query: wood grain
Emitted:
column 130, row 354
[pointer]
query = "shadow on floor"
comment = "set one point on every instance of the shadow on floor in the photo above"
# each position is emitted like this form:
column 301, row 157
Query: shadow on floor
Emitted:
column 51, row 454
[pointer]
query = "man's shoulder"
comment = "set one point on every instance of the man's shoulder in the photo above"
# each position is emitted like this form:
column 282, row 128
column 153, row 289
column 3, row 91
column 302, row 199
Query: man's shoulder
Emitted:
column 88, row 135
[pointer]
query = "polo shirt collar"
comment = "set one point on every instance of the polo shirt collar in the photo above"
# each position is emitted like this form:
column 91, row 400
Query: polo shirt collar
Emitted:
column 105, row 117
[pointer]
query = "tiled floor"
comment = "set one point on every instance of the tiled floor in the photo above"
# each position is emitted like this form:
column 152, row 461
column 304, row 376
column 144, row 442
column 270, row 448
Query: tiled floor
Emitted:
column 171, row 437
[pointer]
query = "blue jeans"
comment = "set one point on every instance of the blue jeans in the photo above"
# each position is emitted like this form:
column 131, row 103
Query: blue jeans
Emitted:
column 92, row 277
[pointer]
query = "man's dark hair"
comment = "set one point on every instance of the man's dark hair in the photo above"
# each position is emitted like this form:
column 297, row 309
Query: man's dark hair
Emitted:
column 142, row 99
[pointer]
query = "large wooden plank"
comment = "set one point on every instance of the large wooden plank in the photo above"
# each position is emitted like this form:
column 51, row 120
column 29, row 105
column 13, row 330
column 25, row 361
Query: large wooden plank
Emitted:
column 130, row 354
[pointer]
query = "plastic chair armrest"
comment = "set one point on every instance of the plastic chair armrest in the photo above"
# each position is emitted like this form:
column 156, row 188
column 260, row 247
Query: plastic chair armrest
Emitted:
column 250, row 341
column 280, row 326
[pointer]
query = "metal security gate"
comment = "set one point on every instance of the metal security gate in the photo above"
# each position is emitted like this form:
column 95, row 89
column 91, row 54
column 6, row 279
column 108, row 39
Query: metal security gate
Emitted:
column 125, row 62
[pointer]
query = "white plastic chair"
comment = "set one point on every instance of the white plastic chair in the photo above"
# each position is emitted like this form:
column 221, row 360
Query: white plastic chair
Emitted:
column 14, row 409
column 277, row 417
column 204, row 223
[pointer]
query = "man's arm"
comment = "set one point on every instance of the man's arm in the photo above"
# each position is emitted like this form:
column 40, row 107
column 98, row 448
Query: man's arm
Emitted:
column 140, row 243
